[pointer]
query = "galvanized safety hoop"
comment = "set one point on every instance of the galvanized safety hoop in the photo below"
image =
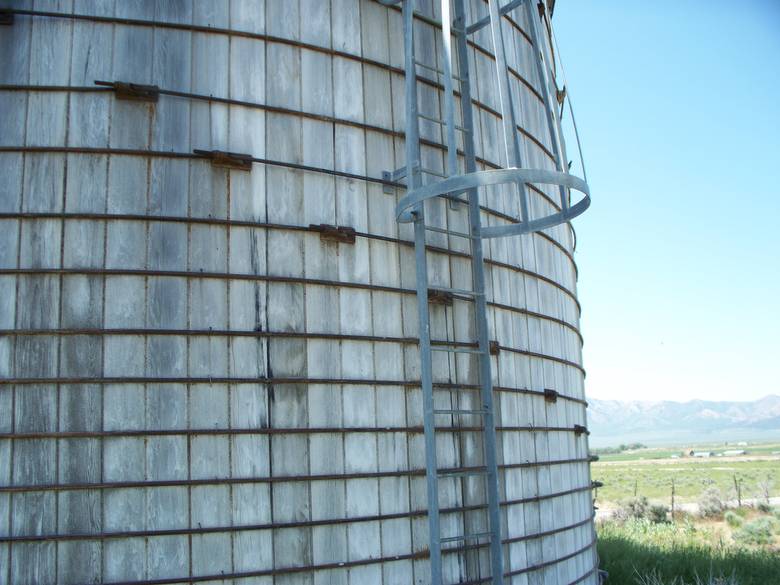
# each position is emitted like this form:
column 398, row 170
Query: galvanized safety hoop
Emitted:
column 405, row 209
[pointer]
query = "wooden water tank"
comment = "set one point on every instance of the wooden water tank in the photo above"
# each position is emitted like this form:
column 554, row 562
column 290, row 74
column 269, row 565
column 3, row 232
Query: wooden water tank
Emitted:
column 208, row 361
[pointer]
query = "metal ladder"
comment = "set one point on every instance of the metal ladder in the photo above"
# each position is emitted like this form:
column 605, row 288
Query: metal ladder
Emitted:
column 423, row 184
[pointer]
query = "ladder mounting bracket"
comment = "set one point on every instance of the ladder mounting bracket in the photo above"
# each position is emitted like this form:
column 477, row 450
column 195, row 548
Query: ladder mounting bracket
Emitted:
column 395, row 176
column 560, row 95
column 440, row 297
column 6, row 18
column 550, row 395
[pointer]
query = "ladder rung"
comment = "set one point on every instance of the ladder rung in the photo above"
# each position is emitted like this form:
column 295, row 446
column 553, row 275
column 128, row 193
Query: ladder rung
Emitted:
column 450, row 232
column 456, row 349
column 451, row 411
column 481, row 471
column 427, row 18
column 439, row 121
column 457, row 291
column 474, row 536
column 437, row 23
column 432, row 172
column 434, row 69
column 483, row 22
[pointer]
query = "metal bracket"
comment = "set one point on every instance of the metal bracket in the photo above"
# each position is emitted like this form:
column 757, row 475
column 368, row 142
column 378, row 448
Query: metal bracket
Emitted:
column 550, row 395
column 560, row 95
column 579, row 429
column 132, row 91
column 593, row 458
column 6, row 18
column 332, row 233
column 227, row 160
column 494, row 347
column 395, row 176
column 440, row 297
column 596, row 485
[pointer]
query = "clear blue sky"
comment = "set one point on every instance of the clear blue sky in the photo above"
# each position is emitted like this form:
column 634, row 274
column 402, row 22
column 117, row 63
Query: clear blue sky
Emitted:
column 678, row 105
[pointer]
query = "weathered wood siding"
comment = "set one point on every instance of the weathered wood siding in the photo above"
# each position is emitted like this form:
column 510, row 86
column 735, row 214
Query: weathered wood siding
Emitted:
column 192, row 382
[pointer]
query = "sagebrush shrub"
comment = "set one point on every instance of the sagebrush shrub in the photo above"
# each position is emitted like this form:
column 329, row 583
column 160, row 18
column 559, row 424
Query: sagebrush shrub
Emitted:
column 734, row 520
column 632, row 508
column 657, row 514
column 711, row 502
column 758, row 531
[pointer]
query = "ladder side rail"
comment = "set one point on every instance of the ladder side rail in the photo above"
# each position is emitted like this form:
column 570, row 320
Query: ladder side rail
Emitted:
column 449, row 96
column 480, row 308
column 414, row 180
column 452, row 169
column 553, row 122
column 508, row 118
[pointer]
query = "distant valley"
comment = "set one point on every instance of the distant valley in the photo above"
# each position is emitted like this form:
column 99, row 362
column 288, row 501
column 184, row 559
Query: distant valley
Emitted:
column 612, row 422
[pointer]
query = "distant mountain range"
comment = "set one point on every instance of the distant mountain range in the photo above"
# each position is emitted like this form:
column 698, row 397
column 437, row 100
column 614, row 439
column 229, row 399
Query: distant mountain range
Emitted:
column 612, row 422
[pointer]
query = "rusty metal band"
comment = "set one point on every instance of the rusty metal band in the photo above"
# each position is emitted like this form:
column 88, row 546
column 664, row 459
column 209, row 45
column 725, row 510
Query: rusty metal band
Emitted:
column 187, row 156
column 271, row 382
column 221, row 577
column 229, row 380
column 145, row 380
column 268, row 162
column 250, row 277
column 229, row 432
column 298, row 44
column 540, row 393
column 23, row 215
column 332, row 120
column 95, row 331
column 585, row 576
column 104, row 87
column 336, row 566
column 259, row 278
column 268, row 39
column 283, row 525
column 552, row 562
column 524, row 537
column 533, row 568
column 215, row 221
column 105, row 485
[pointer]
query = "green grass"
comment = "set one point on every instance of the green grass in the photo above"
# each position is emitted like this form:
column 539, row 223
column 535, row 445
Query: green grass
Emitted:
column 691, row 478
column 680, row 551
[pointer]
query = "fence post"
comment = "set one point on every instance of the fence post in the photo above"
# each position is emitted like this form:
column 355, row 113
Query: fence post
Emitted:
column 672, row 500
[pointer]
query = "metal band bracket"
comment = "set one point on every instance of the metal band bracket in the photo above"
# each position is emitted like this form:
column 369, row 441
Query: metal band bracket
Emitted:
column 228, row 160
column 332, row 233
